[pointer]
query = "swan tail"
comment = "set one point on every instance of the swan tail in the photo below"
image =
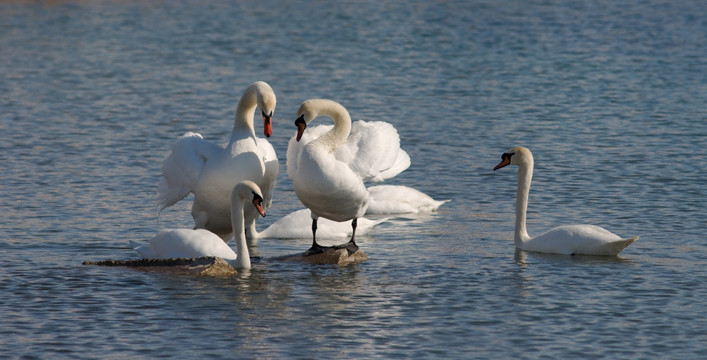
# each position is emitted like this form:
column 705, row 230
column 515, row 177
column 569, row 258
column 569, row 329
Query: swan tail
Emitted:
column 620, row 245
column 145, row 251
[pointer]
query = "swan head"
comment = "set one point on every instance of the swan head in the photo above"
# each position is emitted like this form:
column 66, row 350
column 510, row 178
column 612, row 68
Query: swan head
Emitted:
column 515, row 156
column 246, row 189
column 310, row 109
column 266, row 102
column 305, row 114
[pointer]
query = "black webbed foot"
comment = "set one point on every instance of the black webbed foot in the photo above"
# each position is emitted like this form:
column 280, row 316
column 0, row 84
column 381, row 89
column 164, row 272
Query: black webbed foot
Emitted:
column 315, row 249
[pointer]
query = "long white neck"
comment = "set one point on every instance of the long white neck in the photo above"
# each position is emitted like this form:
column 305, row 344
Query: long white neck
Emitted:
column 342, row 125
column 243, row 258
column 244, row 113
column 525, row 176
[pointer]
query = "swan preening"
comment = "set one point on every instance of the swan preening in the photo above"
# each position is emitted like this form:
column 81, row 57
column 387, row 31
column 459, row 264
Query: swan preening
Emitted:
column 210, row 171
column 188, row 243
column 567, row 239
column 328, row 167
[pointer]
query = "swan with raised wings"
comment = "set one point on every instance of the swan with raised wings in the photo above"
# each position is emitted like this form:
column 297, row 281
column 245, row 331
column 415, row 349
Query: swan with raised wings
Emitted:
column 210, row 171
column 328, row 167
column 188, row 243
column 567, row 239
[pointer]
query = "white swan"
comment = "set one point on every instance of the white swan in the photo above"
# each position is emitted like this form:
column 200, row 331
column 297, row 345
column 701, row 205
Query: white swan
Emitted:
column 211, row 171
column 296, row 225
column 187, row 243
column 328, row 168
column 396, row 199
column 567, row 239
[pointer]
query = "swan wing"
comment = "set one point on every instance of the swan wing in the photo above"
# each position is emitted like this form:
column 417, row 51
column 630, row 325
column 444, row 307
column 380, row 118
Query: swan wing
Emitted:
column 372, row 150
column 396, row 199
column 182, row 167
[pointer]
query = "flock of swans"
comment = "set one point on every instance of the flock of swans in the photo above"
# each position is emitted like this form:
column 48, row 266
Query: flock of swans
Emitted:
column 329, row 166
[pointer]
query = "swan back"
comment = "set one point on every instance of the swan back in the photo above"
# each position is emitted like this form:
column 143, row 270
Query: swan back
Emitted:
column 396, row 199
column 578, row 240
column 186, row 243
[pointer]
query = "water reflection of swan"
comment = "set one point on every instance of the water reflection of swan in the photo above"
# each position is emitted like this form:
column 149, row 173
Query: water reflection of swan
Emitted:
column 188, row 243
column 567, row 239
column 328, row 170
column 211, row 171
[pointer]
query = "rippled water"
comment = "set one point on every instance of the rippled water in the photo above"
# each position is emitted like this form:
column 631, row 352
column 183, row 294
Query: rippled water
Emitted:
column 610, row 96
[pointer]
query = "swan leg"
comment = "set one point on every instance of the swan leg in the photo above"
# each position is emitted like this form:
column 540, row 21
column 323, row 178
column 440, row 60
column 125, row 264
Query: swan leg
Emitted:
column 316, row 248
column 350, row 246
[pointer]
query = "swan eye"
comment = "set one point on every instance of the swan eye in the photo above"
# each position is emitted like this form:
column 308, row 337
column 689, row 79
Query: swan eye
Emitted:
column 300, row 120
column 507, row 156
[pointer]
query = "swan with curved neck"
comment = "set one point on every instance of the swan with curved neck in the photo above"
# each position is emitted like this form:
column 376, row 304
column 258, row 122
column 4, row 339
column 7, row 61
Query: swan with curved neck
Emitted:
column 210, row 171
column 328, row 172
column 187, row 243
column 258, row 94
column 567, row 239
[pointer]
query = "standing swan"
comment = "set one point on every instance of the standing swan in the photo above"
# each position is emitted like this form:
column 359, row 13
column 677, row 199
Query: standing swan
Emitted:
column 187, row 243
column 211, row 171
column 328, row 171
column 567, row 239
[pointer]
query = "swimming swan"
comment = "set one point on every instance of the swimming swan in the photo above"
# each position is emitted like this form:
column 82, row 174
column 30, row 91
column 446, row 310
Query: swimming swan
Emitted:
column 329, row 167
column 567, row 239
column 188, row 243
column 211, row 171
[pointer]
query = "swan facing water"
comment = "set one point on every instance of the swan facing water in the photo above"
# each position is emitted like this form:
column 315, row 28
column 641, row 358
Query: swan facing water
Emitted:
column 329, row 166
column 210, row 171
column 188, row 243
column 567, row 239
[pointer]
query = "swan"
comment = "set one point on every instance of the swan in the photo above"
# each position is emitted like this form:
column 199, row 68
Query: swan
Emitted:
column 188, row 243
column 567, row 239
column 295, row 225
column 396, row 199
column 328, row 167
column 210, row 171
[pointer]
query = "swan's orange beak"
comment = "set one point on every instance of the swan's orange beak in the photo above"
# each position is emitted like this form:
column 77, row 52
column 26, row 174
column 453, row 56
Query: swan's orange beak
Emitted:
column 258, row 202
column 505, row 160
column 301, row 125
column 267, row 124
